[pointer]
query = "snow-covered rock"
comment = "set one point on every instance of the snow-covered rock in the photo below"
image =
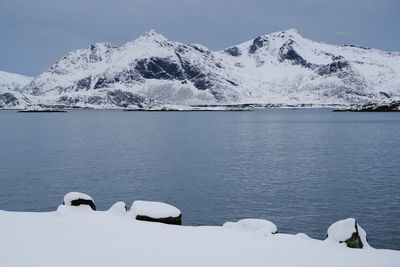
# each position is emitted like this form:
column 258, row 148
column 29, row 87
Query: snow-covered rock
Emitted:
column 258, row 226
column 155, row 212
column 280, row 68
column 102, row 238
column 349, row 232
column 118, row 208
column 77, row 199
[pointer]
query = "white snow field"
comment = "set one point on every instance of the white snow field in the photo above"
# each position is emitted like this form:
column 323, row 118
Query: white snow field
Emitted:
column 76, row 236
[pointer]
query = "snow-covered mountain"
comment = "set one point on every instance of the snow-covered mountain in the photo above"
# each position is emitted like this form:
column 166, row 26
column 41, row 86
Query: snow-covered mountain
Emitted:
column 281, row 67
column 9, row 84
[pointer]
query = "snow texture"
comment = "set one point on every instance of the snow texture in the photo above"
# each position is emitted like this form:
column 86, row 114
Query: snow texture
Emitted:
column 258, row 226
column 118, row 208
column 72, row 236
column 152, row 209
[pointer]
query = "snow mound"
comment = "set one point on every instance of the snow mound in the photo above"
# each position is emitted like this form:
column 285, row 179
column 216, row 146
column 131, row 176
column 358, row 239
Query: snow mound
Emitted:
column 155, row 212
column 349, row 232
column 73, row 211
column 253, row 225
column 342, row 230
column 303, row 236
column 118, row 208
column 77, row 199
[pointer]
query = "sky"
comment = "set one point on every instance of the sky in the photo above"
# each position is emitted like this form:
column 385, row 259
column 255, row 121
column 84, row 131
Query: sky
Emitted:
column 34, row 34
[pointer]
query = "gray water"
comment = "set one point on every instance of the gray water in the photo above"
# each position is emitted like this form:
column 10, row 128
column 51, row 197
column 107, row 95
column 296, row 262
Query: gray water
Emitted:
column 301, row 169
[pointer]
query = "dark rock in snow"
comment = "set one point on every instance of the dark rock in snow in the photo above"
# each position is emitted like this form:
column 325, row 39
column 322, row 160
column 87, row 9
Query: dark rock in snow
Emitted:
column 287, row 52
column 8, row 99
column 354, row 241
column 233, row 51
column 41, row 110
column 384, row 94
column 77, row 199
column 333, row 67
column 80, row 201
column 159, row 68
column 156, row 212
column 124, row 99
column 167, row 220
column 257, row 43
column 393, row 106
column 349, row 232
column 84, row 83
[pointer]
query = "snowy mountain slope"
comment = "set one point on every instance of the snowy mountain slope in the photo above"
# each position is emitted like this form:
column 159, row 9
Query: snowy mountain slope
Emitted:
column 281, row 67
column 286, row 64
column 9, row 84
column 12, row 81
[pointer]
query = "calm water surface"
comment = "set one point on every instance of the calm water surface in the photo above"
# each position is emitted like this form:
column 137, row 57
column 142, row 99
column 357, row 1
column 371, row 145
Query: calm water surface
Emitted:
column 301, row 169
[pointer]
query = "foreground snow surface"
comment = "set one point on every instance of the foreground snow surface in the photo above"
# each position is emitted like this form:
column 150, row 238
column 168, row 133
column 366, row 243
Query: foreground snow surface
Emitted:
column 78, row 236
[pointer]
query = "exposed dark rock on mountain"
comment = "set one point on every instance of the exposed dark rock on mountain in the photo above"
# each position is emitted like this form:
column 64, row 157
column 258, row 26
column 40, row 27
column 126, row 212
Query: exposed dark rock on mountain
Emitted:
column 258, row 43
column 8, row 100
column 233, row 51
column 393, row 106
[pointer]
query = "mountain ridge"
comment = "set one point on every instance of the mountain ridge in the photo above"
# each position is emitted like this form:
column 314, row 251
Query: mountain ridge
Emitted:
column 280, row 67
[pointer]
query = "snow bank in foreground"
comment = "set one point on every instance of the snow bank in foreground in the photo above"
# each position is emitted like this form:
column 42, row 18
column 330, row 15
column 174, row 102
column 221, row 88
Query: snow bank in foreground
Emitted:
column 257, row 226
column 80, row 236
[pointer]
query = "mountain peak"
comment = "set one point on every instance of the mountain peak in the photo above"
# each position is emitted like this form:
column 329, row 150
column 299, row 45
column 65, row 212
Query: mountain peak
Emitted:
column 286, row 33
column 152, row 35
column 291, row 31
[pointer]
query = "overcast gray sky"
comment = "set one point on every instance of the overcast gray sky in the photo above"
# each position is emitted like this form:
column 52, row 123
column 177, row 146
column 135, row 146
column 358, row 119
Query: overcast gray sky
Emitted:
column 36, row 33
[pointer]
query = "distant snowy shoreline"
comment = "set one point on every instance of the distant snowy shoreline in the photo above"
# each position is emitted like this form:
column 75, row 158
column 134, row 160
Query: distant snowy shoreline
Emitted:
column 78, row 235
column 384, row 106
column 203, row 107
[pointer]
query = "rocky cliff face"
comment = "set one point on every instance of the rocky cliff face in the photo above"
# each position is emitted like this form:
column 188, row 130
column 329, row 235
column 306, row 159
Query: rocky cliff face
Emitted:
column 281, row 67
